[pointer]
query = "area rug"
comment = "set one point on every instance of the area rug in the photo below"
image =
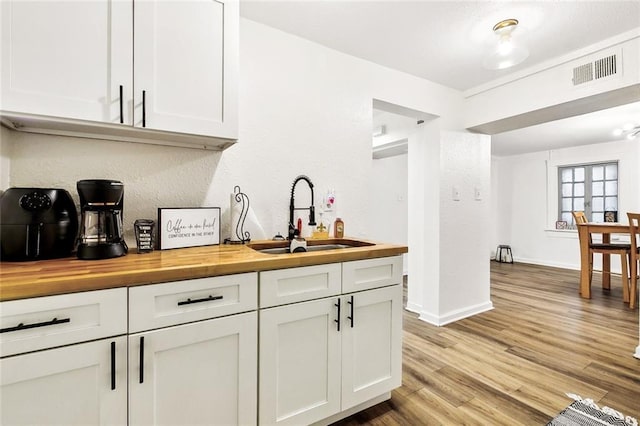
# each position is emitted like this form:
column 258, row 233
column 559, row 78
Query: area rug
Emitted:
column 585, row 412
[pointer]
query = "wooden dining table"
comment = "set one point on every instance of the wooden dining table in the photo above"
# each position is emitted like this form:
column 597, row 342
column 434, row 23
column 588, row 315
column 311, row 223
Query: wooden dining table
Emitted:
column 606, row 229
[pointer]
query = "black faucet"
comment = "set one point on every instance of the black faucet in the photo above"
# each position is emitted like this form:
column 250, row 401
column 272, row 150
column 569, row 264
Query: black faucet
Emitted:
column 312, row 210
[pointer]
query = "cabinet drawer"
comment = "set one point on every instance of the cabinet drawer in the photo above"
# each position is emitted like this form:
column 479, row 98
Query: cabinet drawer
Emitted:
column 371, row 273
column 284, row 286
column 179, row 302
column 45, row 322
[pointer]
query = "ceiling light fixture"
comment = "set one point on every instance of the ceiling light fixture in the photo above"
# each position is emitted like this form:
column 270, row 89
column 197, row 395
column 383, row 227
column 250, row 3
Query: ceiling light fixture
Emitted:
column 631, row 131
column 508, row 52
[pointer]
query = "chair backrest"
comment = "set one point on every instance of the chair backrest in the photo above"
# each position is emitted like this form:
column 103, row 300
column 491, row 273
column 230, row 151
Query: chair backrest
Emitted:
column 579, row 217
column 634, row 230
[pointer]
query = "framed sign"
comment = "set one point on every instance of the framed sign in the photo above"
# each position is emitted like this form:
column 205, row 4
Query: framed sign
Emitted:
column 188, row 227
column 562, row 224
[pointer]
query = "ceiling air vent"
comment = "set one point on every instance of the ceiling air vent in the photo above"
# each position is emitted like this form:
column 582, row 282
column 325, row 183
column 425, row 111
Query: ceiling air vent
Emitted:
column 595, row 70
column 605, row 67
column 582, row 74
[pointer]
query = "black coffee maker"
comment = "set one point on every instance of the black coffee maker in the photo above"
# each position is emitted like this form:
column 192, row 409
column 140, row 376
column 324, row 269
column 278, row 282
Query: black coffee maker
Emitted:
column 101, row 203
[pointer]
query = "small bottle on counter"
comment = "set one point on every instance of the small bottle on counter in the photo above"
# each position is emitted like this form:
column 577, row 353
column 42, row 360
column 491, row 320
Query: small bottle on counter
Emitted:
column 338, row 228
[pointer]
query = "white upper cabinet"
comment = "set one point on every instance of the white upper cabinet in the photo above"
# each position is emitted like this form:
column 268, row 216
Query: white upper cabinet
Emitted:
column 67, row 59
column 154, row 71
column 184, row 78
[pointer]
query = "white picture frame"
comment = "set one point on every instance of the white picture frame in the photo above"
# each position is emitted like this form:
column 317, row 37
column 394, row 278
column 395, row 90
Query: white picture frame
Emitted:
column 188, row 227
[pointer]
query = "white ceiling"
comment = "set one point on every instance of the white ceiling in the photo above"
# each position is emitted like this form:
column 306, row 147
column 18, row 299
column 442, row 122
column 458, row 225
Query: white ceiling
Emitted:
column 444, row 42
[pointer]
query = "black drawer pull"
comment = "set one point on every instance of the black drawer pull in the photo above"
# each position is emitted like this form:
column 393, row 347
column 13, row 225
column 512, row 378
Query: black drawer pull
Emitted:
column 23, row 326
column 350, row 317
column 121, row 106
column 141, row 375
column 337, row 320
column 144, row 108
column 204, row 299
column 113, row 365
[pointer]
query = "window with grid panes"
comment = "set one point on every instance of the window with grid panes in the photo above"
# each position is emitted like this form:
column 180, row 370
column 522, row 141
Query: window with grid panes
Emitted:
column 592, row 188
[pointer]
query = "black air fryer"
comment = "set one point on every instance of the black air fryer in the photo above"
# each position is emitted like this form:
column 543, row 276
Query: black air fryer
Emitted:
column 37, row 223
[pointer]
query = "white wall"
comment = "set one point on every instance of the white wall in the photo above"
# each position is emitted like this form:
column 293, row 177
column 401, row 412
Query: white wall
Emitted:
column 389, row 209
column 465, row 160
column 525, row 203
column 390, row 185
column 304, row 109
column 448, row 234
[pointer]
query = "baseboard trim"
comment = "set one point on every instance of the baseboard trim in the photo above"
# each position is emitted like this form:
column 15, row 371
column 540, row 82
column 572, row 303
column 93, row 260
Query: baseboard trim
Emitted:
column 456, row 315
column 637, row 354
column 413, row 307
column 614, row 270
column 547, row 263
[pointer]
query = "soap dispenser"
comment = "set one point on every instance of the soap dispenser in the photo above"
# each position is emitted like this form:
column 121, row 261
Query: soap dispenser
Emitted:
column 338, row 228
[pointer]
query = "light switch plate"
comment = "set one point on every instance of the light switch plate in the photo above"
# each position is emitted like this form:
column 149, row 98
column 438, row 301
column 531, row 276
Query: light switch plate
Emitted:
column 477, row 193
column 455, row 193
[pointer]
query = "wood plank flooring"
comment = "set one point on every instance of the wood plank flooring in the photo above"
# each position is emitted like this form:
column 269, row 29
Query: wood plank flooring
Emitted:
column 514, row 364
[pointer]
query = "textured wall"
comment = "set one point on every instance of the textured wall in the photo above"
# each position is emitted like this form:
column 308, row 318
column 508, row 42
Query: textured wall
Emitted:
column 5, row 157
column 389, row 209
column 465, row 163
column 304, row 109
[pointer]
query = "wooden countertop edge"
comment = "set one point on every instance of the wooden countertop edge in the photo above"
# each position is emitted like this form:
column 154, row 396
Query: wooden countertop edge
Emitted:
column 70, row 275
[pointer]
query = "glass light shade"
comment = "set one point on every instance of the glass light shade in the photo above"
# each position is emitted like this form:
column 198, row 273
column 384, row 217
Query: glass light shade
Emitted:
column 506, row 54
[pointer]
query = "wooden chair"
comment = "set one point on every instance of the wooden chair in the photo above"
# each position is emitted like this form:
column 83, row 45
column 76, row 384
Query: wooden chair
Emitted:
column 634, row 231
column 624, row 250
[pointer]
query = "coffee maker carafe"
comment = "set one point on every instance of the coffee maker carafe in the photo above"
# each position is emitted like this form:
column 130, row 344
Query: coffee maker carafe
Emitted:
column 101, row 203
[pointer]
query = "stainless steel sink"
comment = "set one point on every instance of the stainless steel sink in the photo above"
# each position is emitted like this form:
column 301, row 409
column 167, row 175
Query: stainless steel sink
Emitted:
column 320, row 247
column 282, row 247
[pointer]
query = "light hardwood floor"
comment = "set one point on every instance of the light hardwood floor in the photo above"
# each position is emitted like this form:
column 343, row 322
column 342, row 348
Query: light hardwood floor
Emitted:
column 514, row 364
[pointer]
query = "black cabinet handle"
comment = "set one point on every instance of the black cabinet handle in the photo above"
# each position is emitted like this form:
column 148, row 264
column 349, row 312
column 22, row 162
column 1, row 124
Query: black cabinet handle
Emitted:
column 142, row 359
column 113, row 365
column 338, row 306
column 23, row 326
column 204, row 299
column 144, row 108
column 121, row 106
column 350, row 317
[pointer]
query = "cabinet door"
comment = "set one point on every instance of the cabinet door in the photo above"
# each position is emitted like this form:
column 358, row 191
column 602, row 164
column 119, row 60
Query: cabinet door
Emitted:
column 67, row 59
column 83, row 384
column 186, row 64
column 299, row 363
column 200, row 373
column 371, row 345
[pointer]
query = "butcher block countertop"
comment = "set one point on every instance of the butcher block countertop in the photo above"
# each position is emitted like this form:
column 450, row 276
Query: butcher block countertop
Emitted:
column 19, row 280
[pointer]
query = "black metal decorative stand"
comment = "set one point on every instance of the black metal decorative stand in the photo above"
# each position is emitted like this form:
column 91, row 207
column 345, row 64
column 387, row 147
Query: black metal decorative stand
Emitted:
column 242, row 235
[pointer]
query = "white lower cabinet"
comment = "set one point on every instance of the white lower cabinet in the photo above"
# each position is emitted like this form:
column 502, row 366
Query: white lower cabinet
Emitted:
column 64, row 359
column 81, row 384
column 371, row 344
column 202, row 373
column 329, row 341
column 193, row 352
column 299, row 362
column 321, row 357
